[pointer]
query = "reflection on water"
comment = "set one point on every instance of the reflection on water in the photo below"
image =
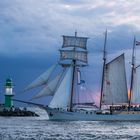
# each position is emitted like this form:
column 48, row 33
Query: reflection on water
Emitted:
column 39, row 128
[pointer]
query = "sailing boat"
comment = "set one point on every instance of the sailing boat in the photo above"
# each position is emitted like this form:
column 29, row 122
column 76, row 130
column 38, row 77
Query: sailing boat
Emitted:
column 73, row 56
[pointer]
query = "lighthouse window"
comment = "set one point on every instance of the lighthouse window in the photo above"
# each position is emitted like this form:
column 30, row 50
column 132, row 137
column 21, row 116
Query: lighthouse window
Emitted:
column 8, row 90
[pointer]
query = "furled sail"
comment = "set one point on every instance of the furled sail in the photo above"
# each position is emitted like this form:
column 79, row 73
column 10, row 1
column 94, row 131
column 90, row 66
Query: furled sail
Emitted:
column 50, row 88
column 62, row 95
column 74, row 55
column 42, row 79
column 78, row 77
column 74, row 41
column 135, row 97
column 115, row 85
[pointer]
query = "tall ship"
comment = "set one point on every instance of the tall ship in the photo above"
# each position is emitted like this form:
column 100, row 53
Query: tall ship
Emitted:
column 115, row 102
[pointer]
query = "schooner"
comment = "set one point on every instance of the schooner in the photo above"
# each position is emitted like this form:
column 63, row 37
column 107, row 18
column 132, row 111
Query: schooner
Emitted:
column 114, row 94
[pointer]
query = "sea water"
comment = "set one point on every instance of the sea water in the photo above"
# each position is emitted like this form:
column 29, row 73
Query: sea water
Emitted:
column 39, row 128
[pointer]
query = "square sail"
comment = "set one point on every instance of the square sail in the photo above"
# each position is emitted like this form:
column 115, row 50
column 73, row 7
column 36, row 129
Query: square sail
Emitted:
column 73, row 55
column 74, row 41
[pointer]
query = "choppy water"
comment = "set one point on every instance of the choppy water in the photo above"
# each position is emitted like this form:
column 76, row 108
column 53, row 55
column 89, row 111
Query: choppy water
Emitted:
column 39, row 128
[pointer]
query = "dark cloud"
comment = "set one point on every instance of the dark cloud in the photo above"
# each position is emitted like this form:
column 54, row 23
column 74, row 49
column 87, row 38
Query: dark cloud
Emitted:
column 30, row 35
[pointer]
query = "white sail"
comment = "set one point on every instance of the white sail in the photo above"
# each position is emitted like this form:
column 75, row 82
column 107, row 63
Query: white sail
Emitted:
column 74, row 41
column 50, row 88
column 135, row 97
column 74, row 55
column 42, row 79
column 115, row 86
column 62, row 95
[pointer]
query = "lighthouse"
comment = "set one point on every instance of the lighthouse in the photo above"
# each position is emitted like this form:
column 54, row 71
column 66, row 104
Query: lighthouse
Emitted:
column 9, row 93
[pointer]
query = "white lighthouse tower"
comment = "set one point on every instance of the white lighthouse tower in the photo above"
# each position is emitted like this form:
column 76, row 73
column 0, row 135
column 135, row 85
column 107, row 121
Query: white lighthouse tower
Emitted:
column 9, row 93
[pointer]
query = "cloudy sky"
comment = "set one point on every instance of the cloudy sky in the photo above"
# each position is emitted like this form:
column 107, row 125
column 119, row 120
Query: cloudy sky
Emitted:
column 31, row 34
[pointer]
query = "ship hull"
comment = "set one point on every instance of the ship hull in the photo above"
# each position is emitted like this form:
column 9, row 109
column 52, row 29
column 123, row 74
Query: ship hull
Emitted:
column 56, row 114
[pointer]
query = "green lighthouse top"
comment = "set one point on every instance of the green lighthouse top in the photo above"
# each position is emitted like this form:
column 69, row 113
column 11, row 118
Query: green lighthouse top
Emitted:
column 9, row 83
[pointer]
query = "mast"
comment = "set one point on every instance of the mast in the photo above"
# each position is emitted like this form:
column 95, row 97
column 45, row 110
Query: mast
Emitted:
column 103, row 72
column 72, row 88
column 132, row 70
column 78, row 53
column 73, row 78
